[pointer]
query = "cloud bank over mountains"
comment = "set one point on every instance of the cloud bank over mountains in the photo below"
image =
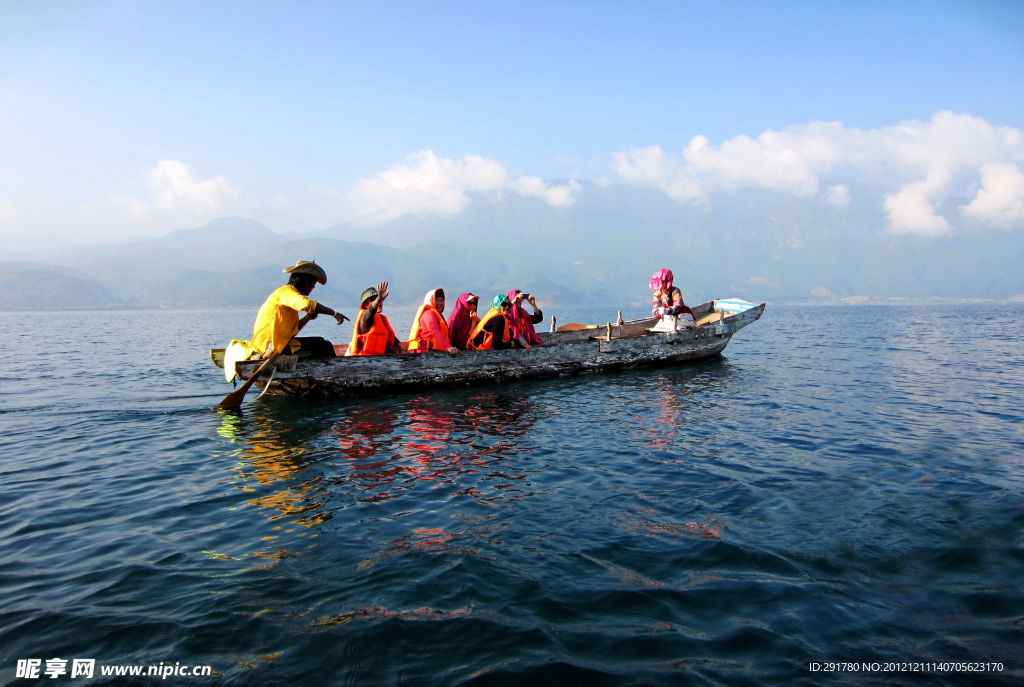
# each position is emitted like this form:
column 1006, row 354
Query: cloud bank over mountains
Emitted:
column 951, row 174
column 173, row 189
column 932, row 161
column 426, row 184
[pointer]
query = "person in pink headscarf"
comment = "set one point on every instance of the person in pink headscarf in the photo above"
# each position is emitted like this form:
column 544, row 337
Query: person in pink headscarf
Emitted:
column 522, row 323
column 668, row 299
column 463, row 319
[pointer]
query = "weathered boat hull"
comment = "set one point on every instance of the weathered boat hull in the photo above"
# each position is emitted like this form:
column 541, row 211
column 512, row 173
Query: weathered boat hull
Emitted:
column 563, row 353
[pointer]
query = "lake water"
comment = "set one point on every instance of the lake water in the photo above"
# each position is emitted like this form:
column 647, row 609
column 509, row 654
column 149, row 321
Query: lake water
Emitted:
column 842, row 485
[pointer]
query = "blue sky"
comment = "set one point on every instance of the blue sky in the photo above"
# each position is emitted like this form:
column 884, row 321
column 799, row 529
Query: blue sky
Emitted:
column 137, row 118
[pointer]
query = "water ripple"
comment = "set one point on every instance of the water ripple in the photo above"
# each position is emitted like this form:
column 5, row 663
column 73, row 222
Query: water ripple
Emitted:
column 844, row 484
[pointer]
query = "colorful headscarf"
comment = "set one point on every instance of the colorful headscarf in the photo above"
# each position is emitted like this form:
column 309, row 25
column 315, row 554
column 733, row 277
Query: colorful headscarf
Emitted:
column 368, row 292
column 660, row 278
column 460, row 321
column 498, row 300
column 522, row 323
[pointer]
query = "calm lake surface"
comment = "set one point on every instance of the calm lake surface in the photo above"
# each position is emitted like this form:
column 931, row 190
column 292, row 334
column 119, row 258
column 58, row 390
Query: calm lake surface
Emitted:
column 843, row 484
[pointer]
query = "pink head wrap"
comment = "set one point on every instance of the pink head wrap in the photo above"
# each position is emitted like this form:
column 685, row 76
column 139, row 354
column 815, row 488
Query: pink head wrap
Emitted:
column 459, row 321
column 522, row 323
column 660, row 278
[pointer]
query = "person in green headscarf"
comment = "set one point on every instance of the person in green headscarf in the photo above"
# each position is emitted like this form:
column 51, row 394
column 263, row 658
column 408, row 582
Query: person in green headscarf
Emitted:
column 372, row 333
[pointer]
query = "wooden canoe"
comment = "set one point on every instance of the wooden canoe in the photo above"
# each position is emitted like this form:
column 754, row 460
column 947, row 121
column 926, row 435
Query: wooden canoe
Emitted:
column 571, row 350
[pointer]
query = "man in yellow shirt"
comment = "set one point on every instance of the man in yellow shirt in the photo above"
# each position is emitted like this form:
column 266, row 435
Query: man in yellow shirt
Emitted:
column 277, row 321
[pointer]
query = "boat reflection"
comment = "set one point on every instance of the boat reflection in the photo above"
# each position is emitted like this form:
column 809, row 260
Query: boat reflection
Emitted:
column 273, row 462
column 459, row 446
column 670, row 399
column 271, row 454
column 466, row 445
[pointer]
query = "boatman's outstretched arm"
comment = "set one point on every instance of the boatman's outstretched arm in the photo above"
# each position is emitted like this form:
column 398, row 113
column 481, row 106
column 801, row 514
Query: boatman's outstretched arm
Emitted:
column 322, row 309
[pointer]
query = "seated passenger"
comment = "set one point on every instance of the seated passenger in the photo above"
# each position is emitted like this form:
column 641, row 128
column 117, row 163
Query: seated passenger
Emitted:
column 463, row 320
column 372, row 333
column 429, row 331
column 277, row 321
column 522, row 323
column 668, row 300
column 494, row 331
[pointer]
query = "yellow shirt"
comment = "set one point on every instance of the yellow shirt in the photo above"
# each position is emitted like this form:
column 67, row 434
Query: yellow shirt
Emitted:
column 278, row 318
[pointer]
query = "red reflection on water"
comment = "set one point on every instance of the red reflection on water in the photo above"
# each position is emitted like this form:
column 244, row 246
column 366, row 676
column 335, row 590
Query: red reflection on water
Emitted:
column 380, row 613
column 704, row 530
column 435, row 540
column 462, row 447
column 437, row 442
column 360, row 433
column 671, row 416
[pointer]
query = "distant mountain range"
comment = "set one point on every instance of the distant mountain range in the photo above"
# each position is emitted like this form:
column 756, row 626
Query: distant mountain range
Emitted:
column 33, row 286
column 755, row 245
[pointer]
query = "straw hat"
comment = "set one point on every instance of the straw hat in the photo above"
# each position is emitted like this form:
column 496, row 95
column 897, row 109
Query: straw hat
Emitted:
column 308, row 267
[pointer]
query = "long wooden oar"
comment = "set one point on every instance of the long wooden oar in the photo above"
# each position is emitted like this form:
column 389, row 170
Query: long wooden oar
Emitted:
column 233, row 401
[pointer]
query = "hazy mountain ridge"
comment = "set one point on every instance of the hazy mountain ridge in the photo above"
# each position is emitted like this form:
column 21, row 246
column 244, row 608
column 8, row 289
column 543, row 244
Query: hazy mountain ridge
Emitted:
column 27, row 286
column 753, row 244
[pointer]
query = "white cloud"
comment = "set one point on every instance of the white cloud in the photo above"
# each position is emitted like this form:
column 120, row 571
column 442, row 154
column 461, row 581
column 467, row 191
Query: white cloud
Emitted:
column 174, row 189
column 426, row 184
column 911, row 210
column 1000, row 201
column 788, row 161
column 559, row 196
column 839, row 196
column 928, row 157
column 653, row 166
